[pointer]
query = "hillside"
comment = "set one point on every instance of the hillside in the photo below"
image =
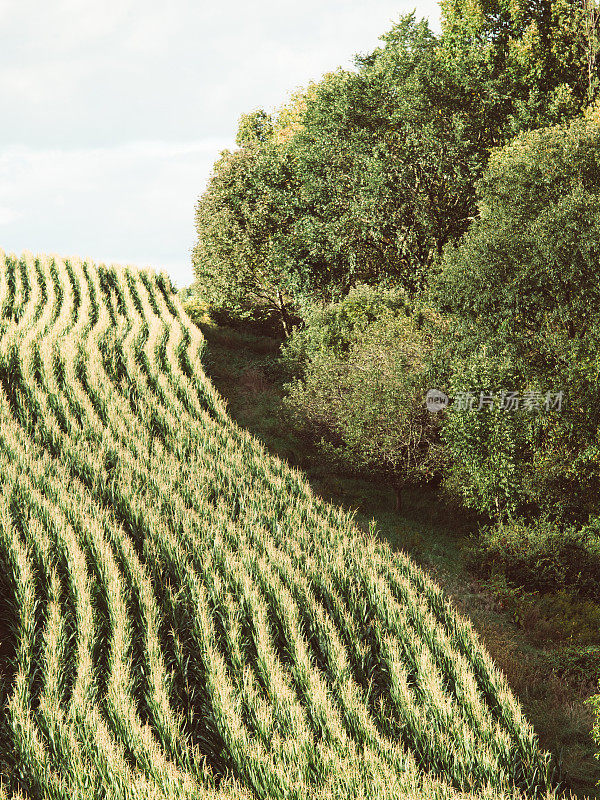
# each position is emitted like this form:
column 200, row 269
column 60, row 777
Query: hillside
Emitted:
column 182, row 617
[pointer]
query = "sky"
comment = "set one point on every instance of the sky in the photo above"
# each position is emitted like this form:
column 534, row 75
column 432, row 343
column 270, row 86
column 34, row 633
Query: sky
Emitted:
column 114, row 112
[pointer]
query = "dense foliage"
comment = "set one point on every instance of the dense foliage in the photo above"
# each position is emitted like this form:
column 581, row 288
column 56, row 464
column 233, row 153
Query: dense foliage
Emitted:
column 542, row 555
column 367, row 174
column 525, row 64
column 523, row 288
column 245, row 216
column 362, row 374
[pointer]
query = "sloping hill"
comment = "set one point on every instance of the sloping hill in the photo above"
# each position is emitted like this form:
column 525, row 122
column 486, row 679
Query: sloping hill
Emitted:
column 182, row 617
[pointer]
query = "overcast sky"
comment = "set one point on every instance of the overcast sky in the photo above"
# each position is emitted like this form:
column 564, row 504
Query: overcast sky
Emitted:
column 113, row 112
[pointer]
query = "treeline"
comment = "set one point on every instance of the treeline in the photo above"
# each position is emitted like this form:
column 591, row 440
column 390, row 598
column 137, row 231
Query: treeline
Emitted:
column 431, row 219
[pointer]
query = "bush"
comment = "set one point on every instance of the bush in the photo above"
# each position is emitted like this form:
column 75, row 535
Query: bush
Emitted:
column 361, row 391
column 542, row 556
column 197, row 309
column 332, row 328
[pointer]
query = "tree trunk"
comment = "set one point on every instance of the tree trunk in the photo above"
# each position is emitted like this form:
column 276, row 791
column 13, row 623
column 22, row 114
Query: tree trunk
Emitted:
column 397, row 497
column 285, row 317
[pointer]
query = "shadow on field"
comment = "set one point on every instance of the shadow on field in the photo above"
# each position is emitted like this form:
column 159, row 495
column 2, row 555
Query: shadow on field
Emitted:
column 547, row 669
column 8, row 623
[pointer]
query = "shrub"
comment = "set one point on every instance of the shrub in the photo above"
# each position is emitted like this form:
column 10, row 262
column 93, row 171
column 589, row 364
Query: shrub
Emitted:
column 542, row 555
column 333, row 327
column 197, row 309
column 362, row 390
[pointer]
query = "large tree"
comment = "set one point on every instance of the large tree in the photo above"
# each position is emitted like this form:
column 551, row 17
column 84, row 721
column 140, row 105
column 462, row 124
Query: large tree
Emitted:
column 527, row 63
column 522, row 288
column 385, row 165
column 365, row 176
column 243, row 221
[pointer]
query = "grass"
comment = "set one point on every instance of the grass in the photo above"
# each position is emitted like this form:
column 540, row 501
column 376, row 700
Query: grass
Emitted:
column 547, row 646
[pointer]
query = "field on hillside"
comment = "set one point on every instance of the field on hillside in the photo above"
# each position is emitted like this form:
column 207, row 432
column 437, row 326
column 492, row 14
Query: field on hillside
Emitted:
column 181, row 616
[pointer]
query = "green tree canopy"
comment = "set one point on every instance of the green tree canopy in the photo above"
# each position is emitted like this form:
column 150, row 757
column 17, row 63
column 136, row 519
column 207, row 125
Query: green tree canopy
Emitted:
column 365, row 176
column 523, row 290
column 530, row 57
column 243, row 219
column 361, row 178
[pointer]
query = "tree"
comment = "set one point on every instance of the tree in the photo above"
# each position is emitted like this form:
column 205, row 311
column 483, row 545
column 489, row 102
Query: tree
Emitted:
column 361, row 178
column 522, row 290
column 365, row 176
column 242, row 220
column 528, row 56
column 385, row 166
column 361, row 394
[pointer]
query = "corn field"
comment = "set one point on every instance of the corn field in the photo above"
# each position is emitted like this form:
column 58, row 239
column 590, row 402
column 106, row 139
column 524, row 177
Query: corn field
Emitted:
column 181, row 616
